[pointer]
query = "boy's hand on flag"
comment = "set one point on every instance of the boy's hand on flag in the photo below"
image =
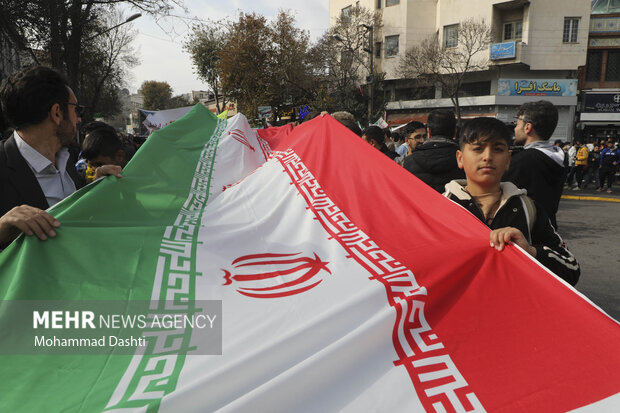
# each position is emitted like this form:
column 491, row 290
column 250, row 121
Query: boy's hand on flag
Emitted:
column 105, row 170
column 507, row 235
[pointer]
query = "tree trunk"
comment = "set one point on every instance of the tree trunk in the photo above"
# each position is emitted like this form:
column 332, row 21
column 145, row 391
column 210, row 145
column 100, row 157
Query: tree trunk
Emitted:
column 73, row 45
column 217, row 104
column 55, row 37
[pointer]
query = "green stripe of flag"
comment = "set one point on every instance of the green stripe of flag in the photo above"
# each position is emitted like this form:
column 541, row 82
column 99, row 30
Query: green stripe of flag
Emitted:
column 106, row 249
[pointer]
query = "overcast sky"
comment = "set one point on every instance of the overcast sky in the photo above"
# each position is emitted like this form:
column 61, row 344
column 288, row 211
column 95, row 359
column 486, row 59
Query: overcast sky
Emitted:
column 159, row 43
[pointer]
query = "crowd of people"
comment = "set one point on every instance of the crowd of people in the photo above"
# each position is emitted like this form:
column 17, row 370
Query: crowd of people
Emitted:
column 596, row 163
column 513, row 185
column 516, row 193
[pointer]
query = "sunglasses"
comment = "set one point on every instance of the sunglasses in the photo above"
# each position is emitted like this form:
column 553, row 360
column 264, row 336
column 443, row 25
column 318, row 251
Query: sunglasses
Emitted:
column 518, row 118
column 79, row 109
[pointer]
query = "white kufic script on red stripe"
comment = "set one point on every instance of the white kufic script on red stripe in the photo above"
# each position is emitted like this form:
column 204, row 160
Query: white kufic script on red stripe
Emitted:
column 436, row 378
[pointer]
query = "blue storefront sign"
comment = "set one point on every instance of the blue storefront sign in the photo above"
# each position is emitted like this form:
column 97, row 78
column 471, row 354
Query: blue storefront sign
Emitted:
column 504, row 50
column 537, row 87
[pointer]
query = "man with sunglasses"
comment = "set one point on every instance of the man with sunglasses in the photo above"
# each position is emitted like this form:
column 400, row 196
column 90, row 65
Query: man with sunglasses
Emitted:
column 37, row 161
column 540, row 167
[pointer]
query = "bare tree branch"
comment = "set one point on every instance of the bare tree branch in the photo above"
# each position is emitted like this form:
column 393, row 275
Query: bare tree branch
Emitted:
column 448, row 67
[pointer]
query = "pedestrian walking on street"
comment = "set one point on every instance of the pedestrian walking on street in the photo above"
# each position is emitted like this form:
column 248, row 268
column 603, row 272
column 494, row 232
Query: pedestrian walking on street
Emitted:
column 581, row 163
column 610, row 158
column 594, row 158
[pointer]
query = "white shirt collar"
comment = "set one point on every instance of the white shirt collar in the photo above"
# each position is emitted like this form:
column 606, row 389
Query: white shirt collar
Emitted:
column 35, row 160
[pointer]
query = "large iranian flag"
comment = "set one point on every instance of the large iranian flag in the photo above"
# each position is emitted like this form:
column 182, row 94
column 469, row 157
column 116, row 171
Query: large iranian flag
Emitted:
column 345, row 284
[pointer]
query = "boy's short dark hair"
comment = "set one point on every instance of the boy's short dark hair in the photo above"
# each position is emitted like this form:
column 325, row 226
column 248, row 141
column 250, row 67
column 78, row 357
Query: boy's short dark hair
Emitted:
column 387, row 132
column 374, row 133
column 27, row 97
column 96, row 124
column 397, row 136
column 542, row 115
column 101, row 139
column 441, row 122
column 483, row 129
column 352, row 126
column 413, row 126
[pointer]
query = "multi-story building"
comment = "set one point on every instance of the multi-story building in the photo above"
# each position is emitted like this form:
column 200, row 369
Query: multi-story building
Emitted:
column 201, row 96
column 536, row 49
column 136, row 101
column 599, row 82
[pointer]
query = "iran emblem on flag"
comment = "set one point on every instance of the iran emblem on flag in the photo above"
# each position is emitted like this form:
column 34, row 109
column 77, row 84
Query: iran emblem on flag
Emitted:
column 275, row 275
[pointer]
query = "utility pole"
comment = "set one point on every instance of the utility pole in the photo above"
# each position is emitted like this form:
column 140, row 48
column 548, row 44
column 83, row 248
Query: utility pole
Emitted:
column 370, row 79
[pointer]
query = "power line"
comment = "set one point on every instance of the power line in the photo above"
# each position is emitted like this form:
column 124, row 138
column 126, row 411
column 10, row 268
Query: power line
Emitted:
column 160, row 38
column 188, row 18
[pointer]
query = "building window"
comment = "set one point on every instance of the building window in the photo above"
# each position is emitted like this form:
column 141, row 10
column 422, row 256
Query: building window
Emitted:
column 391, row 46
column 571, row 26
column 476, row 89
column 378, row 50
column 415, row 93
column 594, row 66
column 391, row 2
column 612, row 68
column 379, row 3
column 472, row 89
column 346, row 13
column 512, row 31
column 451, row 35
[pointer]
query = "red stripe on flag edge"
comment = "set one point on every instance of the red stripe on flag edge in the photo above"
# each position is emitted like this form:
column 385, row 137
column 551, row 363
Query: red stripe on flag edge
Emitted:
column 326, row 146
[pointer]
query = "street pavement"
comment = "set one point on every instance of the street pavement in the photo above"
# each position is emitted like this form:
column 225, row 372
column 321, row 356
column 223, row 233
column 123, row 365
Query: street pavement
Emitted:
column 589, row 222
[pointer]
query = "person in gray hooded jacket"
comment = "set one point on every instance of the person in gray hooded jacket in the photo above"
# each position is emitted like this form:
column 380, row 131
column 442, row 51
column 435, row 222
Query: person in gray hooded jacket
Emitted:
column 540, row 167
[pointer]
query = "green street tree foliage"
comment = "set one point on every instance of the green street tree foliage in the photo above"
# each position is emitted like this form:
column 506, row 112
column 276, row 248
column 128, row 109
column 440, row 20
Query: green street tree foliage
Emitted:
column 265, row 63
column 157, row 95
column 67, row 35
column 204, row 45
column 258, row 62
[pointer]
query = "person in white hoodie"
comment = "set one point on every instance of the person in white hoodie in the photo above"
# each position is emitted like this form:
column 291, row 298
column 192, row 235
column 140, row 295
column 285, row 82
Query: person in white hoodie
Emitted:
column 540, row 167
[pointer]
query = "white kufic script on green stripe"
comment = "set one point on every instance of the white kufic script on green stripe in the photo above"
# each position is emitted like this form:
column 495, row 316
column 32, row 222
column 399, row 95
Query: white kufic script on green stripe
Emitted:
column 176, row 254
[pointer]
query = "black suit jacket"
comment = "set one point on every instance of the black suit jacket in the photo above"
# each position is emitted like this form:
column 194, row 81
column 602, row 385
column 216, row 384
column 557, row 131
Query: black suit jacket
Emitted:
column 18, row 185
